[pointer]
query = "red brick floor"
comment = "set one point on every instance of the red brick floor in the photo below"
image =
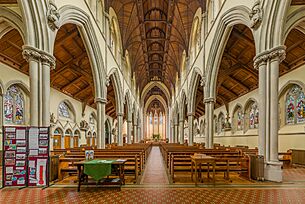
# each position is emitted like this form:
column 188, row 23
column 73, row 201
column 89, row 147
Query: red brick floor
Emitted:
column 152, row 195
column 294, row 174
column 155, row 172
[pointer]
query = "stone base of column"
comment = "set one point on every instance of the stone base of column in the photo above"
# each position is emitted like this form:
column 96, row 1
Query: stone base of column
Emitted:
column 273, row 171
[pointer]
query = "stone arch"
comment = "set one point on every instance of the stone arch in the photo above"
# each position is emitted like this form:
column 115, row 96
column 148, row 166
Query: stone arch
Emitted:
column 196, row 75
column 183, row 104
column 76, row 16
column 195, row 30
column 249, row 102
column 70, row 106
column 127, row 99
column 288, row 84
column 115, row 77
column 152, row 84
column 19, row 83
column 234, row 16
column 292, row 21
column 14, row 20
column 114, row 25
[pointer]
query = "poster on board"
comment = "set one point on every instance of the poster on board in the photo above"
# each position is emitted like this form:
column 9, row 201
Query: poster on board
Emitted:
column 14, row 156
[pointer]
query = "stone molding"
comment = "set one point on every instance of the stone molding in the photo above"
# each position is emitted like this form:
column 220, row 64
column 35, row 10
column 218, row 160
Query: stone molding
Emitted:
column 120, row 114
column 53, row 16
column 256, row 15
column 191, row 114
column 30, row 53
column 209, row 100
column 101, row 100
column 277, row 52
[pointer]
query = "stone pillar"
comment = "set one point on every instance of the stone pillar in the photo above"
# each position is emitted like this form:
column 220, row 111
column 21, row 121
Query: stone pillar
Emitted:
column 139, row 133
column 209, row 118
column 171, row 136
column 120, row 128
column 181, row 131
column 268, row 65
column 101, row 114
column 40, row 63
column 191, row 132
column 129, row 127
column 135, row 135
column 176, row 133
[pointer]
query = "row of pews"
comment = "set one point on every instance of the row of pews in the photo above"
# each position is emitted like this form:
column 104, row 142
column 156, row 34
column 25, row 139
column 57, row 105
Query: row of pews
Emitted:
column 135, row 154
column 233, row 159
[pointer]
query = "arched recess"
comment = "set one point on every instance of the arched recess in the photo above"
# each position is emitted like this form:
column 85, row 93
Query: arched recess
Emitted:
column 11, row 20
column 67, row 139
column 76, row 138
column 221, row 122
column 237, row 118
column 114, row 80
column 234, row 16
column 74, row 15
column 251, row 117
column 195, row 43
column 196, row 94
column 115, row 33
column 151, row 85
column 57, row 138
column 183, row 110
column 107, row 132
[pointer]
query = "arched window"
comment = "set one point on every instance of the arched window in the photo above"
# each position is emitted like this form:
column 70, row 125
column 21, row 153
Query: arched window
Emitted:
column 14, row 105
column 253, row 116
column 156, row 118
column 63, row 110
column 221, row 123
column 238, row 118
column 295, row 106
column 216, row 124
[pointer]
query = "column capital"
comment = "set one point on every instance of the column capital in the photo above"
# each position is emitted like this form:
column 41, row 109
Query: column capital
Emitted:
column 209, row 100
column 272, row 54
column 32, row 53
column 101, row 100
column 181, row 121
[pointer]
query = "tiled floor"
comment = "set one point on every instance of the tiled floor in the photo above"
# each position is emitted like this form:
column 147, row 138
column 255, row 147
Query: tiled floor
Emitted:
column 152, row 195
column 155, row 188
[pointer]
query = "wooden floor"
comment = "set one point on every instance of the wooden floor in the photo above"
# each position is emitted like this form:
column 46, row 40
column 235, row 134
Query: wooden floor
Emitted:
column 155, row 171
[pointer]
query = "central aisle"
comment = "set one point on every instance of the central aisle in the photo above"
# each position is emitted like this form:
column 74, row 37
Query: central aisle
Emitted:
column 155, row 171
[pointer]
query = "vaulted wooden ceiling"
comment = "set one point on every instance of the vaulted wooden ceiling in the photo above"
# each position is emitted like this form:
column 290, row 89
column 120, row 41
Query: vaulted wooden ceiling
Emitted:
column 156, row 106
column 155, row 33
column 297, row 2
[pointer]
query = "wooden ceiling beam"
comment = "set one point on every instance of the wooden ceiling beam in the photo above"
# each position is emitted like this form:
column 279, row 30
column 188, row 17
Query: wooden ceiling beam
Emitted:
column 82, row 91
column 229, row 91
column 74, row 81
column 246, row 67
column 239, row 83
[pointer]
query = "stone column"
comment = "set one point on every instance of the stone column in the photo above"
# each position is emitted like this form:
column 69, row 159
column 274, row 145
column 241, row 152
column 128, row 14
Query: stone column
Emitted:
column 171, row 136
column 268, row 64
column 40, row 63
column 176, row 132
column 120, row 128
column 209, row 118
column 135, row 135
column 101, row 114
column 139, row 133
column 181, row 131
column 129, row 127
column 191, row 132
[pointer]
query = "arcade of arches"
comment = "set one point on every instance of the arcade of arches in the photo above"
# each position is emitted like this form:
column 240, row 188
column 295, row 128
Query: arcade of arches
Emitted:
column 192, row 73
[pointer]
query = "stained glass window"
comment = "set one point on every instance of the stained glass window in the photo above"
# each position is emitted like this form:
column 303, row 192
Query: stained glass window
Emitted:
column 238, row 118
column 14, row 105
column 295, row 105
column 156, row 118
column 253, row 116
column 63, row 110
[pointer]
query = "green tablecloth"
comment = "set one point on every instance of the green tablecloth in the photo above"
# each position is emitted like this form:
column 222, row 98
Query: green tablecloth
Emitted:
column 98, row 169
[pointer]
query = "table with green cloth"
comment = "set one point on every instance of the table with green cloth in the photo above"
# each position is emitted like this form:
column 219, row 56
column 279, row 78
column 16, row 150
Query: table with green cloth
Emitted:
column 98, row 169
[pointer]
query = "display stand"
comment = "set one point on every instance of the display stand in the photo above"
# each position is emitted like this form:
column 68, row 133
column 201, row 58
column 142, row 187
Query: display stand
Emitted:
column 38, row 156
column 14, row 156
column 25, row 156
